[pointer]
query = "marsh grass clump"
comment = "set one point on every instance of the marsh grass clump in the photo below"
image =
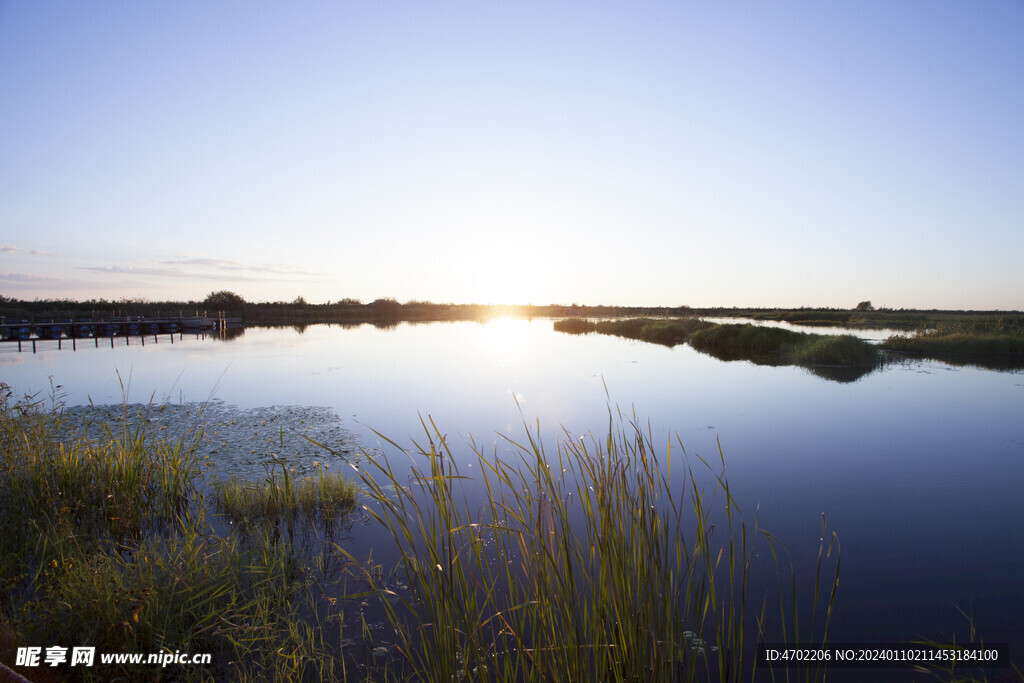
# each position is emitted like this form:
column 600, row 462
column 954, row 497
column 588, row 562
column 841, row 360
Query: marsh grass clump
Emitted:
column 589, row 563
column 107, row 542
column 631, row 328
column 665, row 332
column 841, row 358
column 668, row 332
column 119, row 485
column 321, row 497
column 760, row 344
column 732, row 342
column 837, row 350
column 994, row 345
column 245, row 601
column 672, row 332
column 575, row 326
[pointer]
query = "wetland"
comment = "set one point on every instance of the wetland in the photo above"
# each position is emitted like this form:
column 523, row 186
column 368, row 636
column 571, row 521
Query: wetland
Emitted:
column 915, row 464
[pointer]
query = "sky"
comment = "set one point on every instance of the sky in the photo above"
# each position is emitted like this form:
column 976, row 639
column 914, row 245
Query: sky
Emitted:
column 777, row 154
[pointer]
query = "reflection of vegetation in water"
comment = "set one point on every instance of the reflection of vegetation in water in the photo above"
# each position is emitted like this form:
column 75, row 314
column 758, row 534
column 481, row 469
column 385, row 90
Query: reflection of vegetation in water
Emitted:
column 836, row 357
column 988, row 341
column 590, row 564
column 841, row 358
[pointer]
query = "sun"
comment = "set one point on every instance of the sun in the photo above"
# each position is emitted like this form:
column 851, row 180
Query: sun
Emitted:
column 499, row 284
column 499, row 292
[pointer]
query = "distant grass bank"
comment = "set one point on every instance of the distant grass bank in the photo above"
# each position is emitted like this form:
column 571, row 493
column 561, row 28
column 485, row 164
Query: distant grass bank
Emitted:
column 937, row 345
column 387, row 311
column 994, row 342
column 990, row 341
column 879, row 318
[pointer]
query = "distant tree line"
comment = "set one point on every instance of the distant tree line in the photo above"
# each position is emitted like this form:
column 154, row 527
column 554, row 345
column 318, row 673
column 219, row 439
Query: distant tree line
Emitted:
column 300, row 311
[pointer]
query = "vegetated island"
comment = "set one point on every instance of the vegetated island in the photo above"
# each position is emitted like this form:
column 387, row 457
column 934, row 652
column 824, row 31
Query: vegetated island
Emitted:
column 841, row 358
column 994, row 342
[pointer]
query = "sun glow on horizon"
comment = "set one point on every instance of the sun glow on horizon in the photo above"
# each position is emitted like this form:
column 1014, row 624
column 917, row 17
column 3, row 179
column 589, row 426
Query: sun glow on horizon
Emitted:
column 508, row 340
column 500, row 283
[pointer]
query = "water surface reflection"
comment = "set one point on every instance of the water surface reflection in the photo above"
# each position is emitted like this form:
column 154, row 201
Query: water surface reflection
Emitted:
column 917, row 466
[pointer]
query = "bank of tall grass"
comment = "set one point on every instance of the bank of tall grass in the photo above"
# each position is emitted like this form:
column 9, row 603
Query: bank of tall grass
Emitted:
column 996, row 342
column 732, row 342
column 667, row 332
column 962, row 344
column 602, row 559
column 109, row 542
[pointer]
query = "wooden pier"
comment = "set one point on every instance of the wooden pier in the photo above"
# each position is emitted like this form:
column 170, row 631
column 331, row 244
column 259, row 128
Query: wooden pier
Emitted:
column 74, row 330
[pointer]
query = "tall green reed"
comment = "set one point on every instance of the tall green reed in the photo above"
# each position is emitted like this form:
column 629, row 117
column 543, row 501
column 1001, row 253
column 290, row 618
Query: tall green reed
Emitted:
column 318, row 499
column 593, row 563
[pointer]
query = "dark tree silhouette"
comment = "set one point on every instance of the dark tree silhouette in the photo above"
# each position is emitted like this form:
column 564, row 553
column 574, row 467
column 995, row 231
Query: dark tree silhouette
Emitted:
column 224, row 301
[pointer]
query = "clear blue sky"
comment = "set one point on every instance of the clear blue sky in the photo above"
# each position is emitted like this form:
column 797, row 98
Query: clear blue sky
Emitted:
column 646, row 153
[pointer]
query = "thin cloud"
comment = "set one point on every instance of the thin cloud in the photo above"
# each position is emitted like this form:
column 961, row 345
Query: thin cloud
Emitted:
column 31, row 279
column 9, row 249
column 166, row 272
column 223, row 264
column 216, row 273
column 206, row 263
column 130, row 270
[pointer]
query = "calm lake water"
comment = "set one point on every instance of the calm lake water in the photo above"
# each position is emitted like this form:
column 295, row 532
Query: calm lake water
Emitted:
column 919, row 466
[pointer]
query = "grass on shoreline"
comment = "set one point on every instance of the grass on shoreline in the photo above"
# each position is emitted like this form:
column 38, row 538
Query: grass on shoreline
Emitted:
column 996, row 343
column 108, row 542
